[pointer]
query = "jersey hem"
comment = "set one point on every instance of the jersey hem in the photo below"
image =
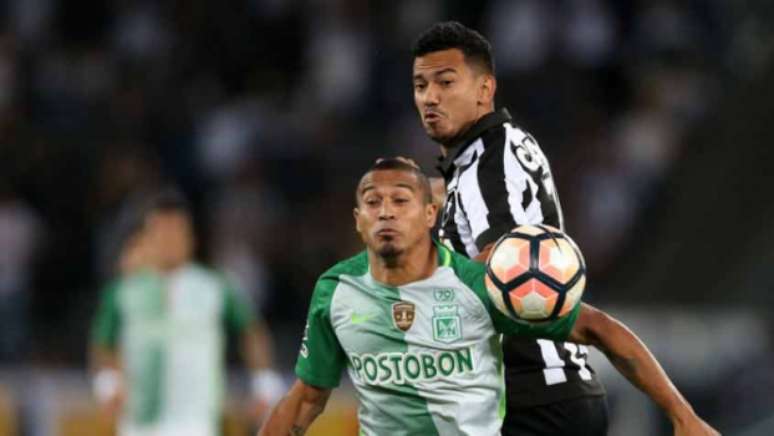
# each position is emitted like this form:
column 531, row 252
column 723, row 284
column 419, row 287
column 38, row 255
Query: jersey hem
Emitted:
column 570, row 392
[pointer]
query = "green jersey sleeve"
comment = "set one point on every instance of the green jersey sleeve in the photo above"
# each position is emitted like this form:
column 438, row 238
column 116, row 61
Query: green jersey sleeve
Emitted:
column 321, row 359
column 472, row 273
column 107, row 321
column 238, row 313
column 557, row 330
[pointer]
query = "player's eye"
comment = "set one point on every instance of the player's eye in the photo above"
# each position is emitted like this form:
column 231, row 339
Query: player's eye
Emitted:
column 419, row 86
column 447, row 83
column 372, row 201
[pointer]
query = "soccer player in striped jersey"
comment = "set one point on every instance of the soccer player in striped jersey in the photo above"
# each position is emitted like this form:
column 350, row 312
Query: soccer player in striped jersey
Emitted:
column 158, row 340
column 497, row 178
column 413, row 324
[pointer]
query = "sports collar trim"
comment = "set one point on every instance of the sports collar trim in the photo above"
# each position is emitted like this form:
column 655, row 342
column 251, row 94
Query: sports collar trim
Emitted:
column 488, row 121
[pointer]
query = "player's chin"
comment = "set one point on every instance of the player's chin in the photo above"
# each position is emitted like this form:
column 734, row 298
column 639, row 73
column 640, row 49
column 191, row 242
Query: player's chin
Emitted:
column 436, row 133
column 388, row 250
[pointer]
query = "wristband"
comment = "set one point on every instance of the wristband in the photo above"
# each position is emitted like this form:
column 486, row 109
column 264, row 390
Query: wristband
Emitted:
column 267, row 385
column 106, row 384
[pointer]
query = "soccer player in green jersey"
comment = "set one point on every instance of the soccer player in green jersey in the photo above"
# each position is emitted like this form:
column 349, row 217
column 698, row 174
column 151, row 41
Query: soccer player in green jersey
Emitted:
column 413, row 324
column 158, row 342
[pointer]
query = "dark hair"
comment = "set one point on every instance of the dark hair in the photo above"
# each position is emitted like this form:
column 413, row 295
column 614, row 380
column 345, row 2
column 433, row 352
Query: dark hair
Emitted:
column 398, row 164
column 167, row 200
column 129, row 225
column 452, row 34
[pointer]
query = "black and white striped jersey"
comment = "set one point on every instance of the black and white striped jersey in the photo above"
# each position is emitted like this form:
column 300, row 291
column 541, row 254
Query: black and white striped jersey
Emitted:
column 497, row 178
column 496, row 181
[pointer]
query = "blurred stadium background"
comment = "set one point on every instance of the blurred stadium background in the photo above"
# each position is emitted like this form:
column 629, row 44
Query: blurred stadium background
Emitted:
column 655, row 115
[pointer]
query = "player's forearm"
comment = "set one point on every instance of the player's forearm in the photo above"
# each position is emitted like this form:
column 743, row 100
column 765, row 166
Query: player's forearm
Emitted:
column 107, row 379
column 101, row 357
column 296, row 411
column 266, row 384
column 285, row 419
column 631, row 358
column 257, row 348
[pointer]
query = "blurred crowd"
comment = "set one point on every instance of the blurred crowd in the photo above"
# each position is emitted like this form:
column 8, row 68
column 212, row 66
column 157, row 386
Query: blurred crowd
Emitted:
column 265, row 112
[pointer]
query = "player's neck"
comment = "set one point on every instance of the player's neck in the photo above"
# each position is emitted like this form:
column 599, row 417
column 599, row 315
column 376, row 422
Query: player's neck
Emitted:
column 411, row 266
column 173, row 267
column 449, row 144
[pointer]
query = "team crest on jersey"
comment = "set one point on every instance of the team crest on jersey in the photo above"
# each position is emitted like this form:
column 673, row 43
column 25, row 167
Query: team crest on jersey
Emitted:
column 447, row 325
column 403, row 314
column 443, row 295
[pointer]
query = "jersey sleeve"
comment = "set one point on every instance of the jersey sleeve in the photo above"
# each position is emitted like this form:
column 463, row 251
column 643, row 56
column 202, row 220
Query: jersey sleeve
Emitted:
column 557, row 330
column 107, row 321
column 238, row 313
column 321, row 359
column 472, row 274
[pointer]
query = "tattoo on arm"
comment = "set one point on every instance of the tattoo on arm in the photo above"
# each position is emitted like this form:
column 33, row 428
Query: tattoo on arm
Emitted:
column 297, row 430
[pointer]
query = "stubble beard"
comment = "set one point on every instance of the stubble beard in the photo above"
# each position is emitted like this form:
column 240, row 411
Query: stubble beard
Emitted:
column 435, row 137
column 390, row 254
column 445, row 141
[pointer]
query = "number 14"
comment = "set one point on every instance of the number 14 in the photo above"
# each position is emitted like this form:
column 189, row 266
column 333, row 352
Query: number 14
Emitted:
column 554, row 372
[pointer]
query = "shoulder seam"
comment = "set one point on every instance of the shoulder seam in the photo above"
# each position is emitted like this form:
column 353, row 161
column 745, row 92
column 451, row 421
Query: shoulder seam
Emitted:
column 487, row 136
column 343, row 267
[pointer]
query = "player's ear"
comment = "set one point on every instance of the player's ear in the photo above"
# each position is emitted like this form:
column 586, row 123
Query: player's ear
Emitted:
column 486, row 89
column 431, row 214
column 438, row 189
column 356, row 214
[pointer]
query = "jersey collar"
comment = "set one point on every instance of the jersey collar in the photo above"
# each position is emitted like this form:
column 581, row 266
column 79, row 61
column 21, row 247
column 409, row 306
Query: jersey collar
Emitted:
column 444, row 255
column 442, row 252
column 488, row 121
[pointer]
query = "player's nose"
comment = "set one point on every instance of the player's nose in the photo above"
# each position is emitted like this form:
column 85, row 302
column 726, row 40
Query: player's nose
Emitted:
column 432, row 96
column 386, row 211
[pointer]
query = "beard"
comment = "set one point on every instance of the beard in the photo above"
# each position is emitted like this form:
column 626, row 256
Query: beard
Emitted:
column 390, row 253
column 435, row 135
column 444, row 139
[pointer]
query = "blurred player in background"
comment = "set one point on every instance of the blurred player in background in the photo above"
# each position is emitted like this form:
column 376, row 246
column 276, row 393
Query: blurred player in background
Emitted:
column 384, row 315
column 159, row 337
column 497, row 178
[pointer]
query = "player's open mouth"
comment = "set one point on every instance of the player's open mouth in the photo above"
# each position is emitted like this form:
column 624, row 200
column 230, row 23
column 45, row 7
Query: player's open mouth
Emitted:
column 387, row 233
column 432, row 116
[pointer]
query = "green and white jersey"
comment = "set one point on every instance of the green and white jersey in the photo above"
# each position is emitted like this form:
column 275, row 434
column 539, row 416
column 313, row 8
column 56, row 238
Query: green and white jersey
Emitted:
column 170, row 331
column 424, row 357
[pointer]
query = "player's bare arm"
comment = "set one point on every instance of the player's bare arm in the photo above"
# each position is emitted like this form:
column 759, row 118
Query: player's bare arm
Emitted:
column 634, row 361
column 266, row 384
column 107, row 378
column 296, row 411
column 484, row 253
column 257, row 347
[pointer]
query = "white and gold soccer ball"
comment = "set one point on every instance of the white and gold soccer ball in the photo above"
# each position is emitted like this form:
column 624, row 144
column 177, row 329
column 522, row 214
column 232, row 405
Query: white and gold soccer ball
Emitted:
column 535, row 274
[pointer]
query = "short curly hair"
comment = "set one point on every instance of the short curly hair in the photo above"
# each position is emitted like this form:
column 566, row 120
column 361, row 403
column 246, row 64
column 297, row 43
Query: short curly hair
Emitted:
column 452, row 34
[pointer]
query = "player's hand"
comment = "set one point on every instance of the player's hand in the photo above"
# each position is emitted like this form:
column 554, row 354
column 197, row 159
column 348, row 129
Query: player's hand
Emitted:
column 112, row 406
column 268, row 388
column 694, row 426
column 110, row 392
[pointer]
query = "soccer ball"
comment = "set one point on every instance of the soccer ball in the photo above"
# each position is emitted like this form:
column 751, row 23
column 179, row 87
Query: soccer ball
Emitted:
column 535, row 274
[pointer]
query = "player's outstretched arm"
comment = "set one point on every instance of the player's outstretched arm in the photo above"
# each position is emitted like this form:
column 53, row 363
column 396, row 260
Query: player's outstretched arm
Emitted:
column 296, row 411
column 266, row 384
column 107, row 379
column 634, row 361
